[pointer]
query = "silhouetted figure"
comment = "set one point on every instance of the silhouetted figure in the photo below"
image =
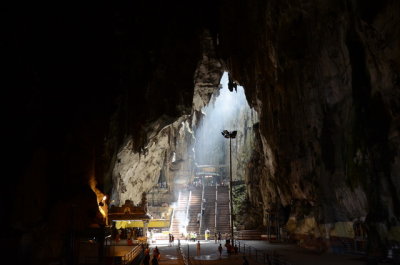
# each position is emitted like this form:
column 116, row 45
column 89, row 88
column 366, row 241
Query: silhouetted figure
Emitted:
column 229, row 247
column 220, row 250
column 198, row 248
column 146, row 260
column 154, row 261
column 147, row 251
column 156, row 253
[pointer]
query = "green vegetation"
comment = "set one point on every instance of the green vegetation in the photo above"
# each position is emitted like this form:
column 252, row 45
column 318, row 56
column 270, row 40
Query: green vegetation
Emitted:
column 245, row 214
column 239, row 199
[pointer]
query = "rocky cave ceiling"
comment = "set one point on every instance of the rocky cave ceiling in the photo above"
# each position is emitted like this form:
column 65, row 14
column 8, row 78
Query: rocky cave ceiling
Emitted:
column 79, row 83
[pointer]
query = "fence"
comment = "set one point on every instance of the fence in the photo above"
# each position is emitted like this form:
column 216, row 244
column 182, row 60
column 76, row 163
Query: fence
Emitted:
column 131, row 255
column 184, row 260
column 261, row 255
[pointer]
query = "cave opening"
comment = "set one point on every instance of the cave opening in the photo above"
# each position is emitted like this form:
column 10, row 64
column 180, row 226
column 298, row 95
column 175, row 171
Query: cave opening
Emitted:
column 229, row 110
column 185, row 170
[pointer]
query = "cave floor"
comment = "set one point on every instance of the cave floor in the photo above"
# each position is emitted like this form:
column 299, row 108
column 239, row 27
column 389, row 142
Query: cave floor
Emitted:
column 290, row 253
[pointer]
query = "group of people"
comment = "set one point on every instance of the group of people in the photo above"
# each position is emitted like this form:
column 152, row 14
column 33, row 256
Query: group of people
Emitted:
column 217, row 237
column 126, row 233
column 230, row 249
column 156, row 256
column 192, row 236
column 171, row 239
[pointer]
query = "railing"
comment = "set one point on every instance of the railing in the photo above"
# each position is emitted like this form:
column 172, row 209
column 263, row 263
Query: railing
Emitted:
column 181, row 257
column 173, row 213
column 131, row 255
column 201, row 209
column 216, row 208
column 125, row 242
column 261, row 256
column 187, row 211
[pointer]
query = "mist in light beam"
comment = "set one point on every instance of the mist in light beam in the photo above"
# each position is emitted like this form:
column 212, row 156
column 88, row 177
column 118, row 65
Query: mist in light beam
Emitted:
column 222, row 113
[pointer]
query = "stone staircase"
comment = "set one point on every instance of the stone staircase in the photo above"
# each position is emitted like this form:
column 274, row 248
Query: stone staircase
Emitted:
column 208, row 219
column 223, row 213
column 179, row 216
column 194, row 209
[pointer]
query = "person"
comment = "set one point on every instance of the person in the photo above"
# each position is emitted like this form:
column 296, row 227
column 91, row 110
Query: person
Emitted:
column 215, row 237
column 245, row 262
column 206, row 234
column 229, row 248
column 156, row 253
column 128, row 234
column 198, row 248
column 114, row 231
column 220, row 250
column 146, row 260
column 154, row 261
column 219, row 237
column 172, row 240
column 117, row 237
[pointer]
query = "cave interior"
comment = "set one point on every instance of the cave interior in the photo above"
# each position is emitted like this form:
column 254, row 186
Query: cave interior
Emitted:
column 106, row 101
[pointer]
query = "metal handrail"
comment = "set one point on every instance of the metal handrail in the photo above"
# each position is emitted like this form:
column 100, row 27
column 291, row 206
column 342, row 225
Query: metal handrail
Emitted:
column 187, row 210
column 131, row 255
column 261, row 256
column 201, row 210
column 182, row 257
column 173, row 213
column 216, row 208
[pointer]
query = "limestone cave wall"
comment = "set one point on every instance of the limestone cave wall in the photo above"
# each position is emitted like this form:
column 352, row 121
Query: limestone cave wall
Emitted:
column 323, row 75
column 80, row 83
column 139, row 171
column 83, row 86
column 169, row 140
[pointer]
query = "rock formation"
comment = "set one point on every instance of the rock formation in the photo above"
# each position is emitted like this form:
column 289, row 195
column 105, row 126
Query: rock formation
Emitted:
column 90, row 88
column 323, row 77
